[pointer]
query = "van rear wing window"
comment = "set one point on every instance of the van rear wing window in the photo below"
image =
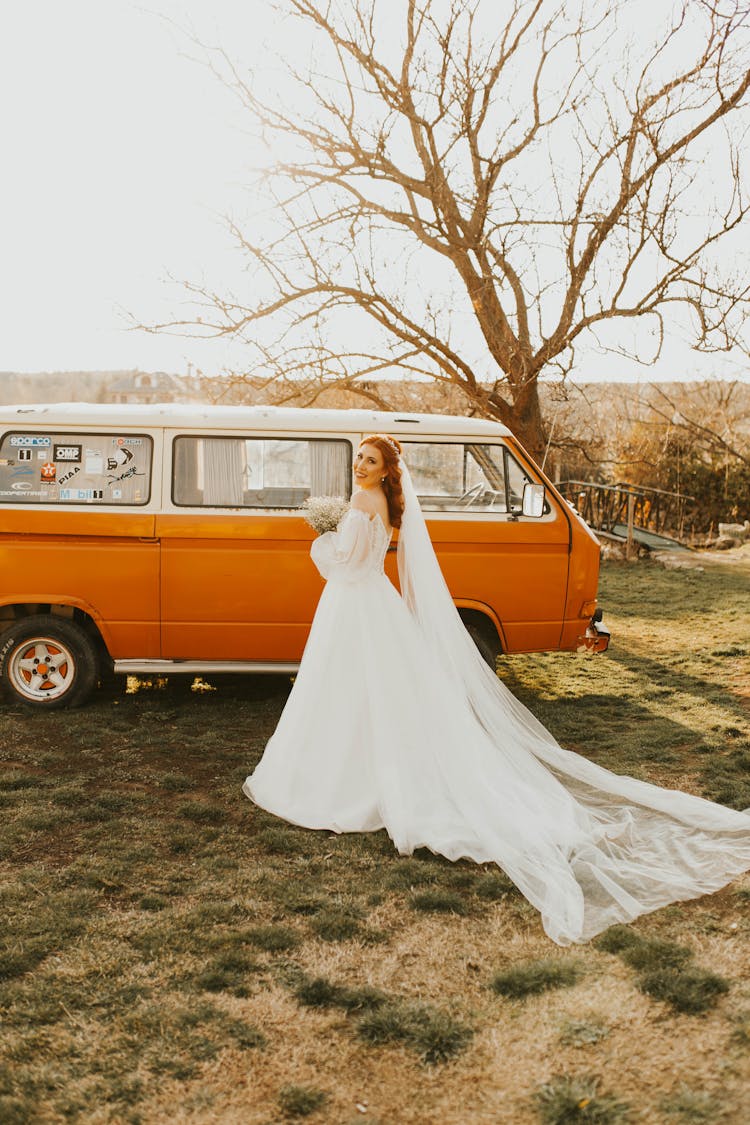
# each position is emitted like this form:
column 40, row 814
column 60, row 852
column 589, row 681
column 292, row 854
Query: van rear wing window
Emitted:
column 75, row 468
column 258, row 472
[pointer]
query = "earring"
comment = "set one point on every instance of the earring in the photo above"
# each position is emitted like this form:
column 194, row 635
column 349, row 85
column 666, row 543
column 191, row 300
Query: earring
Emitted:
column 382, row 480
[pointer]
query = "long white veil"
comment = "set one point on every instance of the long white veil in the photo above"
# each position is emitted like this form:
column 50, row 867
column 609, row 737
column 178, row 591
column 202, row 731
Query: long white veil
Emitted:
column 610, row 847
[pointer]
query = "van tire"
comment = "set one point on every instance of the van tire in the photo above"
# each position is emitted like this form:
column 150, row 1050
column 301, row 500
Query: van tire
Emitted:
column 64, row 651
column 484, row 635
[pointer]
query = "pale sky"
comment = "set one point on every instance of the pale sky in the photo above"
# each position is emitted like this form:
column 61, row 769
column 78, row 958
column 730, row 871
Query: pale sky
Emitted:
column 119, row 156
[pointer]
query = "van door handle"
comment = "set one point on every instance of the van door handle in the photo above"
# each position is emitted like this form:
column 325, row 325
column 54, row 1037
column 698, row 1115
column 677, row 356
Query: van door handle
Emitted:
column 147, row 539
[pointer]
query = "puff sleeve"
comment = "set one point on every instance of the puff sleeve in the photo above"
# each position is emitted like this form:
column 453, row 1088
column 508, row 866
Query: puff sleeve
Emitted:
column 344, row 553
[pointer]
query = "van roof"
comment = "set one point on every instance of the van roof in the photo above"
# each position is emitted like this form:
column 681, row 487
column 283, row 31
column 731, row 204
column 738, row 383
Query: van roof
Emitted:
column 172, row 415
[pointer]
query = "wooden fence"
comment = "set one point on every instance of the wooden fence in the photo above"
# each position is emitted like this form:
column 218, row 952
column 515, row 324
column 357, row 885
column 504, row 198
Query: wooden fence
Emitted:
column 607, row 506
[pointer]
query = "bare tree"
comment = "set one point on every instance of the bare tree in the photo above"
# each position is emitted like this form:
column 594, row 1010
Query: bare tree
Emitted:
column 482, row 185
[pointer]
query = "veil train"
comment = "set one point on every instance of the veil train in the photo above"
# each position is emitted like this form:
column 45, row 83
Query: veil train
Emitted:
column 596, row 848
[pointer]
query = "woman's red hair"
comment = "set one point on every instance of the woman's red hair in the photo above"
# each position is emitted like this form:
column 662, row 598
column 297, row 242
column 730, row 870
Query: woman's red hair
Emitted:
column 390, row 450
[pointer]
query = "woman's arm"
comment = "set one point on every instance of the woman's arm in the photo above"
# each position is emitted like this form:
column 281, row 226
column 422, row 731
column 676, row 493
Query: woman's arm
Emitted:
column 346, row 550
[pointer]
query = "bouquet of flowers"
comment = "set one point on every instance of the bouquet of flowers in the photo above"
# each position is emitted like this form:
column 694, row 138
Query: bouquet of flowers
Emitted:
column 324, row 513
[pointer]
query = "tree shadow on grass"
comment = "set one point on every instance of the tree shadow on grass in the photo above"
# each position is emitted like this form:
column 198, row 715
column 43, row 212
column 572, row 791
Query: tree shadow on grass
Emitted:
column 668, row 677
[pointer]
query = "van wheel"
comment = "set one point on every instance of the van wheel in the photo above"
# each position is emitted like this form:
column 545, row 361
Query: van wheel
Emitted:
column 47, row 661
column 484, row 636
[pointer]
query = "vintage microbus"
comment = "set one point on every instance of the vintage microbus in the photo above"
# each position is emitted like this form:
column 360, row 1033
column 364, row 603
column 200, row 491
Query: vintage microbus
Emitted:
column 169, row 539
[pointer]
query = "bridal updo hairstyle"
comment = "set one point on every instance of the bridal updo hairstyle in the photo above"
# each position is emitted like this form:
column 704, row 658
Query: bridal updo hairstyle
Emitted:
column 390, row 450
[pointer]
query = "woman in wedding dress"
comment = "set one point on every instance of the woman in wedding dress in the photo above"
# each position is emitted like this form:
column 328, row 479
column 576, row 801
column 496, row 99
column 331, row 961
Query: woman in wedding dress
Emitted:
column 396, row 722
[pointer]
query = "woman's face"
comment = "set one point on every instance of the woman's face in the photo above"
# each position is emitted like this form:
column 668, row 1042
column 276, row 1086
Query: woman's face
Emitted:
column 369, row 466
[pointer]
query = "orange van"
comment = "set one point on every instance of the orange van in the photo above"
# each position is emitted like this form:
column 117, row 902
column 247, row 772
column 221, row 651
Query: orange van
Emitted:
column 169, row 539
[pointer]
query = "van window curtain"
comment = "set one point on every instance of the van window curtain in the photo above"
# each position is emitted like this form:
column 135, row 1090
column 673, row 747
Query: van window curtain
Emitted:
column 330, row 469
column 223, row 468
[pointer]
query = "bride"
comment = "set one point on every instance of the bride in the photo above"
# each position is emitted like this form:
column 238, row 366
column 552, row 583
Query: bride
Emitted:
column 396, row 722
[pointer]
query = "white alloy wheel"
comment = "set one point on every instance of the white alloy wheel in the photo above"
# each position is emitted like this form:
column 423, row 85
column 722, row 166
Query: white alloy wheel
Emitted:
column 41, row 669
column 47, row 661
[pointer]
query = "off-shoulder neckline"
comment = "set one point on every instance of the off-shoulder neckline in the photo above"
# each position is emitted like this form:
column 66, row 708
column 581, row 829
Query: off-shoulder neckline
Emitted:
column 374, row 516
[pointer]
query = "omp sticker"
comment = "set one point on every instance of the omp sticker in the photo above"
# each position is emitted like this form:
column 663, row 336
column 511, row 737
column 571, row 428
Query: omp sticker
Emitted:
column 67, row 453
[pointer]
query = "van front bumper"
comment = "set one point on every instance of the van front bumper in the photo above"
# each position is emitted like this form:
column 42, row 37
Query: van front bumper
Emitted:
column 596, row 637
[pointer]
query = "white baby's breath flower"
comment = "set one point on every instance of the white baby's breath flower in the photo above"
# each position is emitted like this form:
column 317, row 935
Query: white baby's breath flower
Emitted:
column 324, row 513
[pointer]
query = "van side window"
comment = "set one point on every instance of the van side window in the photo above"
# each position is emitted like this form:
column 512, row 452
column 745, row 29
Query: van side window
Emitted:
column 250, row 472
column 461, row 476
column 79, row 468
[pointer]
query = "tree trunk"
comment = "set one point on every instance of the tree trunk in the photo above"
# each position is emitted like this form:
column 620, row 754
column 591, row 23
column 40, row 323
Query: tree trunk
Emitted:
column 523, row 415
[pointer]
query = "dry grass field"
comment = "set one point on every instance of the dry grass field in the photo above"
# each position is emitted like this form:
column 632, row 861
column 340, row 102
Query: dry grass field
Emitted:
column 172, row 954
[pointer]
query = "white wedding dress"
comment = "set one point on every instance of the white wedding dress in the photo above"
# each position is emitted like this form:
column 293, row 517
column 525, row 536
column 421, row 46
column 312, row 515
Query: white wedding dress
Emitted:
column 395, row 722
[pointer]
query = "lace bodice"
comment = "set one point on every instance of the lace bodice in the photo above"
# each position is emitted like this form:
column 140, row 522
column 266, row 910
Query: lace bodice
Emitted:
column 355, row 550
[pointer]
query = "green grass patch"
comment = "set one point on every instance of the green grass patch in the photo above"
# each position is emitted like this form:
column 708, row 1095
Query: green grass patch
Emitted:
column 272, row 939
column 665, row 971
column 534, row 977
column 202, row 812
column 438, row 902
column 405, row 874
column 231, row 972
column 322, row 993
column 570, row 1100
column 337, row 923
column 300, row 1101
column 651, row 954
column 494, row 887
column 740, row 1036
column 698, row 1106
column 436, row 1036
column 689, row 991
column 285, row 840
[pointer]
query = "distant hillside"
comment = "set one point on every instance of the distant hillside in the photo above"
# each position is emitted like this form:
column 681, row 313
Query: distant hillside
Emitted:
column 77, row 386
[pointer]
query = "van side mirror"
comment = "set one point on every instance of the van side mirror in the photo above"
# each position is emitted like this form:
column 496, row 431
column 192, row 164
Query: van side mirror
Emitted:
column 533, row 500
